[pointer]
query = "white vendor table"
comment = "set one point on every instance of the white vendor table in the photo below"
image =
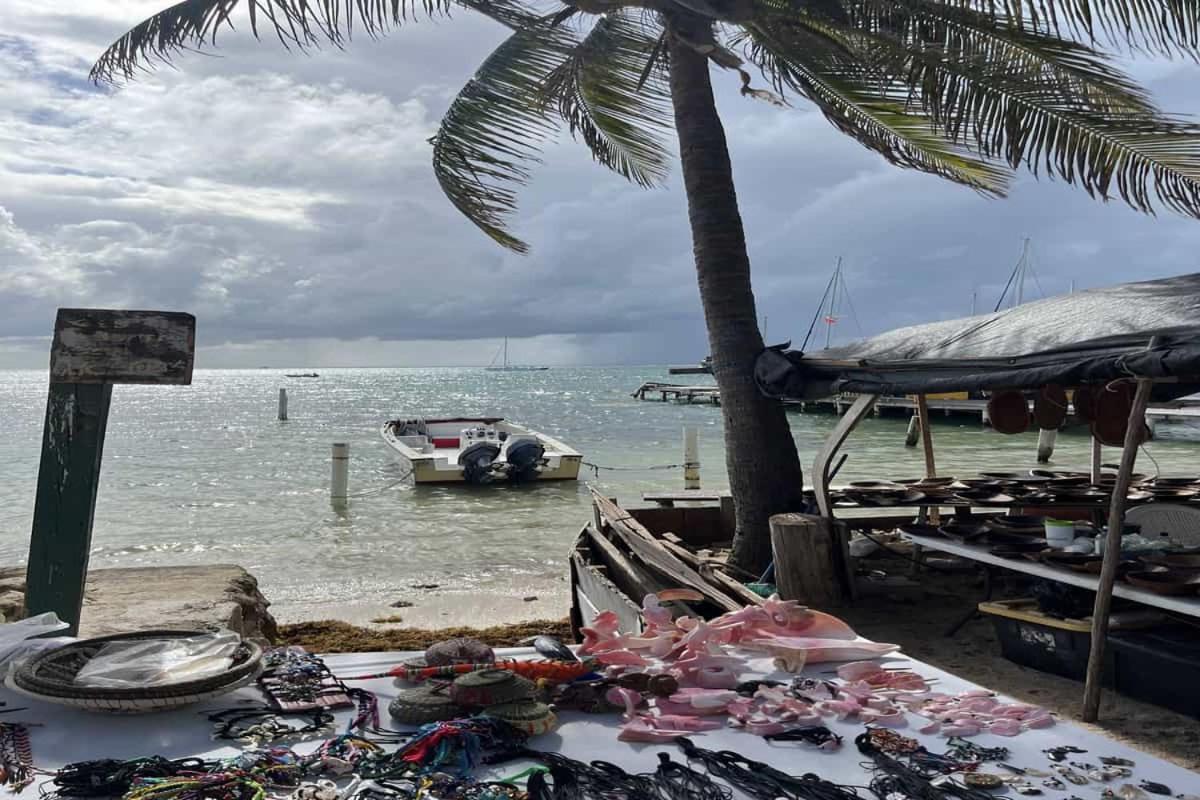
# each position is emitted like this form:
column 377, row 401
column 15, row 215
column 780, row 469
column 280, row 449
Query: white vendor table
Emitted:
column 1189, row 606
column 65, row 735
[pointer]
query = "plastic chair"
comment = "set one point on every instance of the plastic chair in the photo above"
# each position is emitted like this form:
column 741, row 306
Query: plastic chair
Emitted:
column 1181, row 523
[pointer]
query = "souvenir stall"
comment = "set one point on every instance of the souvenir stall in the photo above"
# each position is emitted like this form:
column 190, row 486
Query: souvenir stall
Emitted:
column 1102, row 355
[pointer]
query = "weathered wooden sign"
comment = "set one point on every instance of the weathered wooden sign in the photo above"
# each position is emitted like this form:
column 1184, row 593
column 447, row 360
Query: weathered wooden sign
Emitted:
column 92, row 350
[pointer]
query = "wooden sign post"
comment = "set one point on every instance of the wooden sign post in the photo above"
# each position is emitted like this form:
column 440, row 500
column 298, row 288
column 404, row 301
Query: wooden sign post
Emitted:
column 92, row 350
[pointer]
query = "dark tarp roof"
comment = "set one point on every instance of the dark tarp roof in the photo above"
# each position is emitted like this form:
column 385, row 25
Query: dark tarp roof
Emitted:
column 1088, row 336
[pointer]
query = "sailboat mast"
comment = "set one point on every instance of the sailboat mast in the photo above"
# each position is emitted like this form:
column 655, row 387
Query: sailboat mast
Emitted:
column 829, row 320
column 1022, row 267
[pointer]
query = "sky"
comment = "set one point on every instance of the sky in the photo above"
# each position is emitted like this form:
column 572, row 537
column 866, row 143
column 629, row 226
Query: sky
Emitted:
column 288, row 202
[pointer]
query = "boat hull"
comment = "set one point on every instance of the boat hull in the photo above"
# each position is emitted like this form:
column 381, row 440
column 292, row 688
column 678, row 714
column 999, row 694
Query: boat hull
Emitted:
column 436, row 456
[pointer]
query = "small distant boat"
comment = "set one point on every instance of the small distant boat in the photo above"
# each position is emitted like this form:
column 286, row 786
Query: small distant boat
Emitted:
column 479, row 450
column 301, row 375
column 506, row 367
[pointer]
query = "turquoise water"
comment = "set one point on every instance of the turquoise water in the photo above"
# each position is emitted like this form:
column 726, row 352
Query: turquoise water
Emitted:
column 205, row 474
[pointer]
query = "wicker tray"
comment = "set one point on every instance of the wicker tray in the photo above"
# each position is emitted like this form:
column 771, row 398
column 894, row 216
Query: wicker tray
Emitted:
column 50, row 677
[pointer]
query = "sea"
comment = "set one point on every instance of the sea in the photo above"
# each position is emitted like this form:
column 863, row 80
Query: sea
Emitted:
column 206, row 474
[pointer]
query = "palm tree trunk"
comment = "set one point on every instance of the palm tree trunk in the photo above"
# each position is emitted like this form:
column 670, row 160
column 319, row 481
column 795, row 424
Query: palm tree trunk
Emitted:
column 760, row 454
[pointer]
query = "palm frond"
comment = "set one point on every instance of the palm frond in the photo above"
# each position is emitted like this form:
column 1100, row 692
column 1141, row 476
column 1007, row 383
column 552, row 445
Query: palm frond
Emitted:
column 851, row 97
column 301, row 24
column 606, row 98
column 493, row 131
column 1019, row 112
column 1162, row 26
column 972, row 36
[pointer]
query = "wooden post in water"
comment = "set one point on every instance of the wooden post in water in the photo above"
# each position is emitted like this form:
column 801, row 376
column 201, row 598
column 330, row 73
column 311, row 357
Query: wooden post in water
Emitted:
column 1097, row 457
column 691, row 458
column 340, row 477
column 92, row 349
column 914, row 431
column 283, row 405
column 1045, row 445
column 935, row 513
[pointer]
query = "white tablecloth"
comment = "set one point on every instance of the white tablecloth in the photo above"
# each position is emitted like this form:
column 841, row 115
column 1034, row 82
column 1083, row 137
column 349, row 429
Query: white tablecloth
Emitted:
column 65, row 735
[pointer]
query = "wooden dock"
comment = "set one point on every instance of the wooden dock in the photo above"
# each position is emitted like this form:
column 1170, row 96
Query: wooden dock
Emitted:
column 678, row 393
column 949, row 407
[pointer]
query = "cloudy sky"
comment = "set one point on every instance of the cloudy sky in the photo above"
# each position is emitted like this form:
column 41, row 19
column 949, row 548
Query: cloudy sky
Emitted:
column 287, row 201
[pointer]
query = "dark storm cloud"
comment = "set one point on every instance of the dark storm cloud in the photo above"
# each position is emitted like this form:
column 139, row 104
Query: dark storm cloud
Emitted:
column 288, row 202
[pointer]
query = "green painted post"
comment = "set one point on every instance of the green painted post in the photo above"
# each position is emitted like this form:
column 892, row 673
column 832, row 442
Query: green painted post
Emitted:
column 92, row 349
column 69, row 475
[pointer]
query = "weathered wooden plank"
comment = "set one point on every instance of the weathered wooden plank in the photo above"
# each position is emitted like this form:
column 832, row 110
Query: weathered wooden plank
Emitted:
column 93, row 345
column 595, row 593
column 643, row 543
column 72, row 446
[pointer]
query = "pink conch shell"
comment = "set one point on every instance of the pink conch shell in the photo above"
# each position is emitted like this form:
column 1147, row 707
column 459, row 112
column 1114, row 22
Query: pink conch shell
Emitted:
column 716, row 678
column 624, row 658
column 930, row 728
column 887, row 719
column 1004, row 727
column 605, row 626
column 684, row 723
column 818, row 651
column 668, row 708
column 704, row 698
column 628, row 698
column 657, row 618
column 637, row 730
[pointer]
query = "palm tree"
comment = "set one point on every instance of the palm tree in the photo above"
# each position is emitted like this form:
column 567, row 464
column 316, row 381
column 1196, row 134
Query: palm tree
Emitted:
column 966, row 89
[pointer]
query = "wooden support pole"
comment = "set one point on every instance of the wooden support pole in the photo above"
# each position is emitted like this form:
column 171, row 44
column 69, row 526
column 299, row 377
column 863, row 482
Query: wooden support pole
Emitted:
column 935, row 513
column 1045, row 445
column 1097, row 457
column 914, row 431
column 283, row 405
column 68, row 478
column 1112, row 550
column 808, row 557
column 92, row 349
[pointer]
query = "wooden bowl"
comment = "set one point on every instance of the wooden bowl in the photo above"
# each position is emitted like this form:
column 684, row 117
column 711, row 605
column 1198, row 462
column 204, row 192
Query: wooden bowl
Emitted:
column 1077, row 562
column 963, row 531
column 1165, row 582
column 1173, row 560
column 1018, row 550
column 1018, row 521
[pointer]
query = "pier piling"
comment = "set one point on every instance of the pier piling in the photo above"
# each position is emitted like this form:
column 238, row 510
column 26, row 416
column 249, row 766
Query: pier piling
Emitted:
column 339, row 485
column 914, row 431
column 1045, row 446
column 283, row 405
column 691, row 458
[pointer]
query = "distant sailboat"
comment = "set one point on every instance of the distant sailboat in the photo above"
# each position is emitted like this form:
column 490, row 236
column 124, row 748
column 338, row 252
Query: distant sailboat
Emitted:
column 506, row 367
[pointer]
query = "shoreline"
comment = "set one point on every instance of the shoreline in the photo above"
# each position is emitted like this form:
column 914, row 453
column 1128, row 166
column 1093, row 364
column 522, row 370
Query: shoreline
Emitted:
column 433, row 609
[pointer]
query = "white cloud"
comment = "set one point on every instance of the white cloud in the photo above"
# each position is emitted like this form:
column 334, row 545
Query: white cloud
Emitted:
column 288, row 201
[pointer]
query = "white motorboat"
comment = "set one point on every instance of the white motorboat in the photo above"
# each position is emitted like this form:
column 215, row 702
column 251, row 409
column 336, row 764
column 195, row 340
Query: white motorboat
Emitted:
column 479, row 450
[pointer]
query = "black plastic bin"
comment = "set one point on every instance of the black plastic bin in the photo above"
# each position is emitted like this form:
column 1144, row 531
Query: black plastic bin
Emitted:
column 1160, row 666
column 1033, row 639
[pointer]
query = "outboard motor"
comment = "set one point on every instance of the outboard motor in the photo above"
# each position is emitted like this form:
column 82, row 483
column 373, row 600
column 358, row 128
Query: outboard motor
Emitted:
column 476, row 461
column 524, row 457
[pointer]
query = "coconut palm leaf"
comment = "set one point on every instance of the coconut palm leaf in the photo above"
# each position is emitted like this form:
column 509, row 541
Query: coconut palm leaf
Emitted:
column 600, row 93
column 296, row 23
column 1020, row 111
column 1163, row 26
column 853, row 99
column 493, row 131
column 971, row 36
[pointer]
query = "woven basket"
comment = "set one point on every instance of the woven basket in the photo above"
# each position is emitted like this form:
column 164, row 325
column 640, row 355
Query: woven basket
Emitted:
column 51, row 677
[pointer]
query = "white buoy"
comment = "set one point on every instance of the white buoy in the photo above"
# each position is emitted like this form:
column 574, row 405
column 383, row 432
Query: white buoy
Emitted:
column 339, row 485
column 283, row 405
column 691, row 458
column 1045, row 447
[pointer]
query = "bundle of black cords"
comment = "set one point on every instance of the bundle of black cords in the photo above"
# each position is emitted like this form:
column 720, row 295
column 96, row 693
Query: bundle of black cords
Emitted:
column 762, row 781
column 895, row 775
